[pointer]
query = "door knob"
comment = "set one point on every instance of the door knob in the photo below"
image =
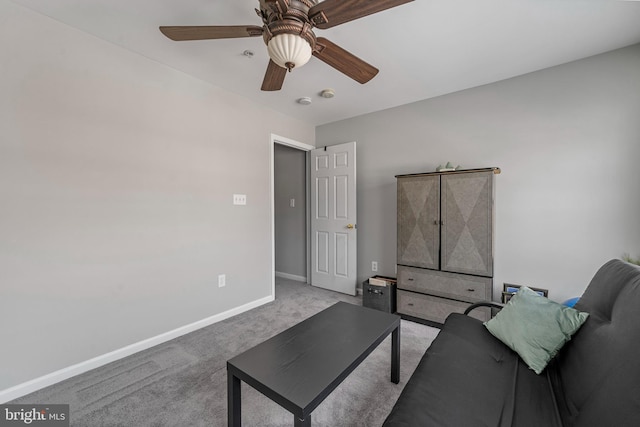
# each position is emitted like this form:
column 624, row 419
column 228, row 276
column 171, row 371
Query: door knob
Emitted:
column 351, row 226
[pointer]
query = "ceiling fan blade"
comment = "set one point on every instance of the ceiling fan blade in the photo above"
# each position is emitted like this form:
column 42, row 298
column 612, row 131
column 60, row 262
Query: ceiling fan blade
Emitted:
column 344, row 61
column 330, row 13
column 211, row 32
column 274, row 77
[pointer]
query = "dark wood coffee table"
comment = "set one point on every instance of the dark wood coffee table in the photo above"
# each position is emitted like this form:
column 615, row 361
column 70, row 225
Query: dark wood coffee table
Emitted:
column 301, row 366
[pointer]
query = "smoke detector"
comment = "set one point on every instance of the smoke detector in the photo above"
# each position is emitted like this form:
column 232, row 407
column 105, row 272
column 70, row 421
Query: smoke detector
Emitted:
column 328, row 93
column 305, row 100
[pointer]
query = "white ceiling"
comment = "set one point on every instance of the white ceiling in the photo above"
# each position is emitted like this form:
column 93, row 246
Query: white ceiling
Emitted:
column 423, row 49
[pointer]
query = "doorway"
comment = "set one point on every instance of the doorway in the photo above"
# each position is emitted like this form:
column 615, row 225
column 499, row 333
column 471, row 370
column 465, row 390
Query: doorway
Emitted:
column 289, row 209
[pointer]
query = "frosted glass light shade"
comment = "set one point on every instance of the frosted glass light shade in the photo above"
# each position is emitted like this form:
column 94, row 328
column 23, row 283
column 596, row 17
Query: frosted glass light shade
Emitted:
column 289, row 48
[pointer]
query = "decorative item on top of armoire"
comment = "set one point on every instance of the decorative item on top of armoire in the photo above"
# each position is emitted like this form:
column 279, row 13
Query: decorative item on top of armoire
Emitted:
column 445, row 243
column 447, row 168
column 627, row 258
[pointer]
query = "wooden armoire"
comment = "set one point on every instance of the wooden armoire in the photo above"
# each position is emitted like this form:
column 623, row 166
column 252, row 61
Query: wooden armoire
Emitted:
column 445, row 243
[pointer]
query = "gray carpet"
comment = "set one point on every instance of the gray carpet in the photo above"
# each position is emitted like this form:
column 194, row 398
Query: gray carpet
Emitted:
column 183, row 382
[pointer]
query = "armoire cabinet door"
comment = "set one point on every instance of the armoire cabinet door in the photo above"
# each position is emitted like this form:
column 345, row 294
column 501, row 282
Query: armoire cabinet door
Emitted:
column 467, row 221
column 419, row 221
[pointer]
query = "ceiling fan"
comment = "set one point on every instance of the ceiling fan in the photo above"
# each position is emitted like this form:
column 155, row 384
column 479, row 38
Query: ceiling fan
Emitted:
column 288, row 33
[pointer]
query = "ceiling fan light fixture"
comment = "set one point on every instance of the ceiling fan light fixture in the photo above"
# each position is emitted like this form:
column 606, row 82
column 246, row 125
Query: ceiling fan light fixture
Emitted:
column 289, row 50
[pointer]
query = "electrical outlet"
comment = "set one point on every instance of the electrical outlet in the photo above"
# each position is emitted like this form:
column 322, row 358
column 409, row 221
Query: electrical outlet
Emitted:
column 239, row 199
column 374, row 265
column 292, row 203
column 222, row 280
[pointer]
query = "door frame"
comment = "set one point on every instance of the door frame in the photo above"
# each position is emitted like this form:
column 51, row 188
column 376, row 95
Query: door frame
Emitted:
column 281, row 140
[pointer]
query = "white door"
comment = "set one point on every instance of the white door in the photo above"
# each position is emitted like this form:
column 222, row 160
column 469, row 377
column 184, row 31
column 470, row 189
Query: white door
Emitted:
column 333, row 218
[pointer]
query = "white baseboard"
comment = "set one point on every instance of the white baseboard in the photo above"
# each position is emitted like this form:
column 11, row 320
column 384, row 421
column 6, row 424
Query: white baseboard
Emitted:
column 291, row 277
column 79, row 368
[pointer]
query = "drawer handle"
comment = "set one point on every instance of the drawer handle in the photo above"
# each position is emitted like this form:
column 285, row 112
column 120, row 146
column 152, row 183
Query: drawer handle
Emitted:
column 410, row 279
column 471, row 290
column 410, row 304
column 375, row 291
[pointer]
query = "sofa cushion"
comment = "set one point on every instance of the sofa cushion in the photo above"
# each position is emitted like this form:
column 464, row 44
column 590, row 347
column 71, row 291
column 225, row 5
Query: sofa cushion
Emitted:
column 467, row 377
column 599, row 369
column 535, row 327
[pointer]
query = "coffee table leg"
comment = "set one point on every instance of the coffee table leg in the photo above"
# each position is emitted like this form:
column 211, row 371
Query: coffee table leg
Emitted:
column 395, row 355
column 302, row 423
column 233, row 401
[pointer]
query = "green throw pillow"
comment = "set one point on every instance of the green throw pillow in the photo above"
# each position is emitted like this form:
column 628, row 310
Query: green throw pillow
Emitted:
column 535, row 327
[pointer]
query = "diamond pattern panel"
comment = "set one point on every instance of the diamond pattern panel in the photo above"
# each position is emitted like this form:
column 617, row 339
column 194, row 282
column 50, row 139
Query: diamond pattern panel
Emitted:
column 466, row 234
column 418, row 208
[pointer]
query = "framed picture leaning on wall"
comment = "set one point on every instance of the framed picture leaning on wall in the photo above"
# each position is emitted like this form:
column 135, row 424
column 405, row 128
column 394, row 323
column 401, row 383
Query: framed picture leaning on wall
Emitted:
column 508, row 290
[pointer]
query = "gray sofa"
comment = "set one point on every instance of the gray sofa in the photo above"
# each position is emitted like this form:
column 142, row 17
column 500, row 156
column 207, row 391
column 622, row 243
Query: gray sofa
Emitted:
column 469, row 378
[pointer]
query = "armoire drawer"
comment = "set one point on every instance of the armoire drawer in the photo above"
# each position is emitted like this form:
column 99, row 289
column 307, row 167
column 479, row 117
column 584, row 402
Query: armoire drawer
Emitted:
column 444, row 284
column 434, row 308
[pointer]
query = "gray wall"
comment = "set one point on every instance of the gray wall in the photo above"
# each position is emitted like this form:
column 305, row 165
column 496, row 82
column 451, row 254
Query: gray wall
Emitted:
column 290, row 222
column 116, row 184
column 568, row 142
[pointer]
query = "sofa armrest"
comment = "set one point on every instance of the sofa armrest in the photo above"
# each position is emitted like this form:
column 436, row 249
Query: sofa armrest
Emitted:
column 492, row 304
